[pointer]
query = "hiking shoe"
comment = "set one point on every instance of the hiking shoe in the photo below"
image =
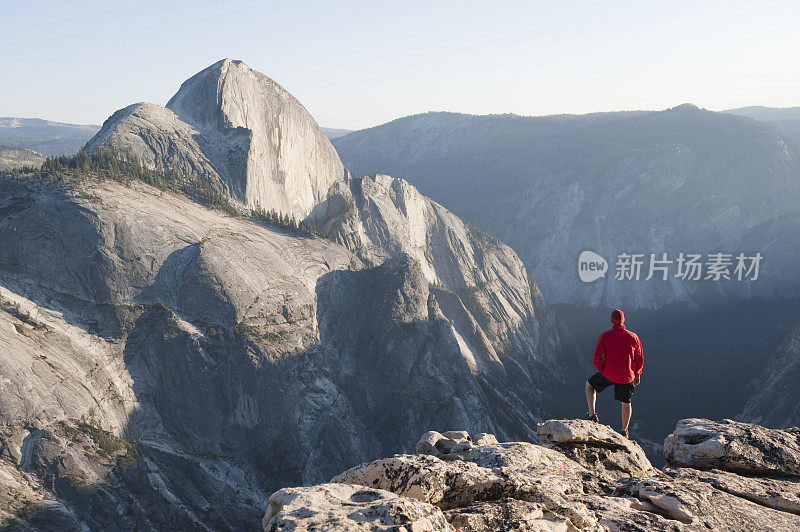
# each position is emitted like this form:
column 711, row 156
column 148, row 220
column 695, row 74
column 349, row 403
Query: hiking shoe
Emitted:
column 624, row 433
column 593, row 417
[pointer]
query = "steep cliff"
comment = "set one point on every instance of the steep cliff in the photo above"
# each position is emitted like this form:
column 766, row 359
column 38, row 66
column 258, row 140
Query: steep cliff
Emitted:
column 178, row 364
column 775, row 389
column 231, row 124
column 220, row 347
column 482, row 285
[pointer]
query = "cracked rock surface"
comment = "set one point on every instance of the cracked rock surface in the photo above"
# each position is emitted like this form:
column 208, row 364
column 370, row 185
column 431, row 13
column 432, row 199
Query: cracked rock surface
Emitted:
column 350, row 507
column 593, row 445
column 585, row 476
column 734, row 446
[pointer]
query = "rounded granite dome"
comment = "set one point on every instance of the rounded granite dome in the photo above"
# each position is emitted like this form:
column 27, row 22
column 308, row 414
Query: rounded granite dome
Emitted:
column 237, row 129
column 276, row 153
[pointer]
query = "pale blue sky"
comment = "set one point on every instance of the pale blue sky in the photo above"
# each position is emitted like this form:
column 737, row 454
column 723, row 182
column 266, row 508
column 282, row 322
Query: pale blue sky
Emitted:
column 358, row 64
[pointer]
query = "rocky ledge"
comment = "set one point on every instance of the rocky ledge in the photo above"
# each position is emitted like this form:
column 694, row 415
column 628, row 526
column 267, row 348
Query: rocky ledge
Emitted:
column 581, row 476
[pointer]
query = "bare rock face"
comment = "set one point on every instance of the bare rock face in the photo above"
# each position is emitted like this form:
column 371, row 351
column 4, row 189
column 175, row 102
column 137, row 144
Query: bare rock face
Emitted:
column 517, row 470
column 289, row 164
column 465, row 281
column 226, row 352
column 776, row 402
column 777, row 492
column 689, row 499
column 452, row 444
column 572, row 483
column 55, row 363
column 75, row 476
column 157, row 138
column 349, row 507
column 236, row 129
column 239, row 357
column 595, row 446
column 506, row 515
column 733, row 446
column 480, row 284
column 428, row 479
column 123, row 309
column 247, row 137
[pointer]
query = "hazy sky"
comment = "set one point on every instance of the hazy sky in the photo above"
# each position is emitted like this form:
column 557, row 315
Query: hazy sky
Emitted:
column 358, row 64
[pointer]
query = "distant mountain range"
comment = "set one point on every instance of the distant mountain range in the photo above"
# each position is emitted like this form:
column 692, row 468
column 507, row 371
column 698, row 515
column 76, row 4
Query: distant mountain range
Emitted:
column 334, row 133
column 54, row 139
column 680, row 180
column 44, row 136
column 58, row 138
column 767, row 114
column 785, row 119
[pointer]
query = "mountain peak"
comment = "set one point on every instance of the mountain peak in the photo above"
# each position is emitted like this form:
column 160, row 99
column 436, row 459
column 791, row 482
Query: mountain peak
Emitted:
column 685, row 107
column 228, row 86
column 245, row 131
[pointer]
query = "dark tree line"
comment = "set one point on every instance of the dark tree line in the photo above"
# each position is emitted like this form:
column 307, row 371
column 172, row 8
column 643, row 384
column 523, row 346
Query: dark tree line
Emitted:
column 272, row 217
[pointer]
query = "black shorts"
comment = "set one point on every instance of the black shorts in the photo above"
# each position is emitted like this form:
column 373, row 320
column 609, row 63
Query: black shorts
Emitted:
column 622, row 392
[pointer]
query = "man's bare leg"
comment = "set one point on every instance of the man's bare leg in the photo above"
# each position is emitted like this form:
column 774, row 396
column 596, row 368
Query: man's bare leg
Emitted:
column 591, row 397
column 626, row 416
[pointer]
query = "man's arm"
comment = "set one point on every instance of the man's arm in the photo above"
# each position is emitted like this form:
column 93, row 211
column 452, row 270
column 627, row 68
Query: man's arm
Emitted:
column 638, row 361
column 597, row 358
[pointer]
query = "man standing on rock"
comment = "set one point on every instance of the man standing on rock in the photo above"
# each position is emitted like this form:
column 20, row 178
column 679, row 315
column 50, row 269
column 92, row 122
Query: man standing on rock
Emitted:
column 619, row 361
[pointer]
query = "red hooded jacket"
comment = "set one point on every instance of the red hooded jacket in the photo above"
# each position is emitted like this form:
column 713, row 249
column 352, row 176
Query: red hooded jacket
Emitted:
column 618, row 355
